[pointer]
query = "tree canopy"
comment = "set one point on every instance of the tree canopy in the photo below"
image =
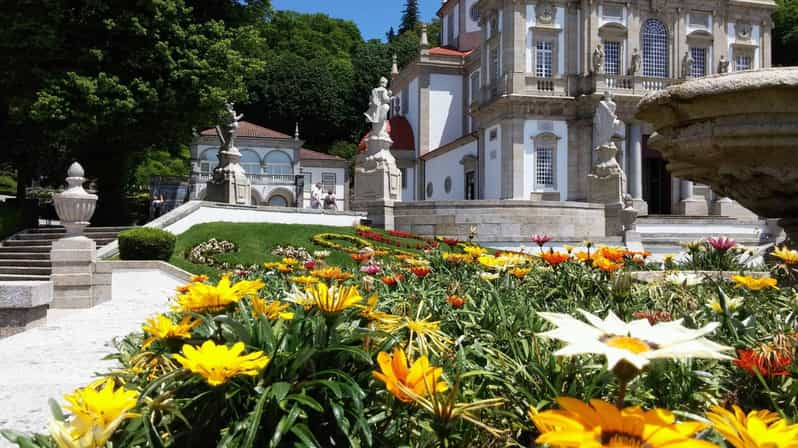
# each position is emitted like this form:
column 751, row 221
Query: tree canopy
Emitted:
column 410, row 16
column 785, row 33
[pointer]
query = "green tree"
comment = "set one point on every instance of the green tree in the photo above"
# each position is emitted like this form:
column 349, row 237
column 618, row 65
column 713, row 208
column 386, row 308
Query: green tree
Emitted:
column 785, row 33
column 410, row 16
column 160, row 162
column 118, row 78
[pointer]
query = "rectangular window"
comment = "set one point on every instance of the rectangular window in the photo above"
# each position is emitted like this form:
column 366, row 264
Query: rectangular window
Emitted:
column 543, row 50
column 613, row 13
column 494, row 133
column 699, row 55
column 495, row 67
column 699, row 20
column 404, row 178
column 742, row 62
column 328, row 181
column 544, row 167
column 474, row 81
column 308, row 181
column 612, row 57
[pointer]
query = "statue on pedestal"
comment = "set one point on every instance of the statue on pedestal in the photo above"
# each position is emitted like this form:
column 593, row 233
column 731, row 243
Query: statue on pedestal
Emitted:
column 637, row 62
column 607, row 181
column 687, row 65
column 379, row 106
column 723, row 65
column 230, row 183
column 598, row 59
column 227, row 131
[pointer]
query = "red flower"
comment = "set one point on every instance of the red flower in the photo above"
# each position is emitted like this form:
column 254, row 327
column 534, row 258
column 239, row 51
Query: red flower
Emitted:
column 390, row 280
column 752, row 362
column 455, row 301
column 420, row 272
column 310, row 264
column 451, row 241
column 653, row 316
column 540, row 240
column 722, row 243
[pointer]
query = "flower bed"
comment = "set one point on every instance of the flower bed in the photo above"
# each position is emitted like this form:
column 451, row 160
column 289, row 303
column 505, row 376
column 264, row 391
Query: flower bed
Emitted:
column 452, row 348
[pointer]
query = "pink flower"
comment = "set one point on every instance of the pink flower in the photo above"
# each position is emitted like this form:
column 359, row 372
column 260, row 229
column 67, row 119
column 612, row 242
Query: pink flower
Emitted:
column 310, row 264
column 370, row 269
column 540, row 240
column 722, row 243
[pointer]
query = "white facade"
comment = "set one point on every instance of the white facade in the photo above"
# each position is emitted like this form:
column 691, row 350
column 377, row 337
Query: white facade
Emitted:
column 445, row 109
column 446, row 174
column 493, row 163
column 539, row 135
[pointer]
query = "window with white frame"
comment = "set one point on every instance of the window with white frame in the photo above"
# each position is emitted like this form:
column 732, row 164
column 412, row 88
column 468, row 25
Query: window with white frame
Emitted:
column 404, row 178
column 612, row 13
column 543, row 61
column 278, row 163
column 495, row 65
column 742, row 62
column 655, row 49
column 544, row 166
column 699, row 55
column 612, row 57
column 474, row 83
column 328, row 181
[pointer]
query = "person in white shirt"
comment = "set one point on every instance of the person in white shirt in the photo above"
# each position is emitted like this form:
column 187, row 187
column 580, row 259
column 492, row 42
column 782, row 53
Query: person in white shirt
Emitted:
column 315, row 196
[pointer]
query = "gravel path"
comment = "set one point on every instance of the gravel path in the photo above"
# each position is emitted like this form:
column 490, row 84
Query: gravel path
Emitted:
column 66, row 353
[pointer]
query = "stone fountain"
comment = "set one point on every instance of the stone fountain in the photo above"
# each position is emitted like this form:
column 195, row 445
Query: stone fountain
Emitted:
column 737, row 133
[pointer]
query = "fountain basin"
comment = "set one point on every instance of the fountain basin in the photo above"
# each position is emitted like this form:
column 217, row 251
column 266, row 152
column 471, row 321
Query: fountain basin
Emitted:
column 737, row 133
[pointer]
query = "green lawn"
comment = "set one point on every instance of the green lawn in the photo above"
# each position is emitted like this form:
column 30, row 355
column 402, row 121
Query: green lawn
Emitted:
column 8, row 220
column 255, row 243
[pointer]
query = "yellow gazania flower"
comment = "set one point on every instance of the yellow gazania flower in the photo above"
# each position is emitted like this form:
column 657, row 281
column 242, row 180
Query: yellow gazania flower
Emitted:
column 454, row 258
column 273, row 310
column 98, row 410
column 333, row 273
column 162, row 327
column 731, row 304
column 417, row 262
column 475, row 251
column 201, row 297
column 488, row 276
column 304, row 279
column 271, row 264
column 420, row 379
column 568, row 248
column 369, row 311
column 218, row 363
column 333, row 299
column 754, row 284
column 758, row 429
column 601, row 424
column 201, row 278
column 290, row 261
column 786, row 255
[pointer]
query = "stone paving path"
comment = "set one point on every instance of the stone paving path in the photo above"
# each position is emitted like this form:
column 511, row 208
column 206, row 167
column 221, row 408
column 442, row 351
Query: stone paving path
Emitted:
column 66, row 353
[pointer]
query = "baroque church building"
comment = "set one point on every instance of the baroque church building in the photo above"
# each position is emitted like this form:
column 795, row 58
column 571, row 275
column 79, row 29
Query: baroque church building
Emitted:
column 504, row 108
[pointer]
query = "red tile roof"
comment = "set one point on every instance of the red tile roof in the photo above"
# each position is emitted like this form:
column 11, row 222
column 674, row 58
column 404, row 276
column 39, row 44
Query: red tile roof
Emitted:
column 307, row 154
column 401, row 133
column 247, row 129
column 446, row 51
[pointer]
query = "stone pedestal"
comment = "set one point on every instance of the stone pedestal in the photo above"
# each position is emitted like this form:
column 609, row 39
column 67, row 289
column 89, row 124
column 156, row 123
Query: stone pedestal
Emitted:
column 606, row 182
column 73, row 261
column 377, row 178
column 379, row 212
column 230, row 184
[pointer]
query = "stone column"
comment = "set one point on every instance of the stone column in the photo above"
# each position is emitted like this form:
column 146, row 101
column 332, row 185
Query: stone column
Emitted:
column 689, row 204
column 635, row 152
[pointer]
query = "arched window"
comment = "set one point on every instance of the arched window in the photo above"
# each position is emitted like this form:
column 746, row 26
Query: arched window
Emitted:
column 209, row 161
column 278, row 162
column 250, row 161
column 278, row 201
column 655, row 49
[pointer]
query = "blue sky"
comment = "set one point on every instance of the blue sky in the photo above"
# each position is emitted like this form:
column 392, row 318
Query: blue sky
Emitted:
column 373, row 17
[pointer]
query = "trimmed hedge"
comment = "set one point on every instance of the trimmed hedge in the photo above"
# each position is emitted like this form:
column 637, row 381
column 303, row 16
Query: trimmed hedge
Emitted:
column 146, row 244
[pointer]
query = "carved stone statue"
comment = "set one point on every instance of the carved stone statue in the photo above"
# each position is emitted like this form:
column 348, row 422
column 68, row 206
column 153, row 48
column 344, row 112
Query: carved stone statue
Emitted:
column 606, row 125
column 637, row 62
column 228, row 128
column 598, row 59
column 723, row 65
column 379, row 106
column 687, row 65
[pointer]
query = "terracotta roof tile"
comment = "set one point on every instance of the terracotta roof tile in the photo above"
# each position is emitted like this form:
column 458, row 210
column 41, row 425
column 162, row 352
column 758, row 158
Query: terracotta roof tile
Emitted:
column 247, row 129
column 446, row 51
column 401, row 133
column 308, row 154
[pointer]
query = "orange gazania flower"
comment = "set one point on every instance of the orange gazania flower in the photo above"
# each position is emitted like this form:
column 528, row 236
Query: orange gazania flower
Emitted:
column 420, row 272
column 182, row 289
column 333, row 273
column 455, row 301
column 615, row 254
column 555, row 258
column 401, row 380
column 606, row 264
column 584, row 257
column 519, row 273
column 752, row 362
column 201, row 278
column 361, row 257
column 392, row 280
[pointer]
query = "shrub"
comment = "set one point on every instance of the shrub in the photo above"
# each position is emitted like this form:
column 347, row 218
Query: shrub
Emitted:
column 8, row 185
column 146, row 244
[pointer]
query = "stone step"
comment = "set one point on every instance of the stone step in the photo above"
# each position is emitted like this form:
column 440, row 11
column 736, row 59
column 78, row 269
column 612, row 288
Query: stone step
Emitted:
column 87, row 230
column 685, row 237
column 27, row 243
column 22, row 261
column 42, row 256
column 55, row 236
column 24, row 270
column 23, row 277
column 692, row 220
column 18, row 249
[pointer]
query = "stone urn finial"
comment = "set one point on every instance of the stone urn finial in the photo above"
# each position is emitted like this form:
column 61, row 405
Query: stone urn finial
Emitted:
column 74, row 205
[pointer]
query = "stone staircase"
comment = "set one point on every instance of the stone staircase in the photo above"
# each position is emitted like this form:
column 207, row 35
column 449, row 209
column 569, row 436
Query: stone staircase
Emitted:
column 663, row 233
column 25, row 256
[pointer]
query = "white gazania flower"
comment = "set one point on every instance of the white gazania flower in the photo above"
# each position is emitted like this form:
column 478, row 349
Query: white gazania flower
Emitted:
column 488, row 276
column 683, row 279
column 731, row 304
column 636, row 342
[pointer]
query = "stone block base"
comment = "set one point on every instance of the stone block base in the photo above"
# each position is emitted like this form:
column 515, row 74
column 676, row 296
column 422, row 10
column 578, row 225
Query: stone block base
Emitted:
column 731, row 209
column 231, row 190
column 380, row 213
column 73, row 262
column 17, row 320
column 605, row 190
column 693, row 207
column 641, row 206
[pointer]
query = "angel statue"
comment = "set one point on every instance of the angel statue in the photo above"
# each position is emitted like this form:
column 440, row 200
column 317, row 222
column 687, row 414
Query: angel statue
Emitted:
column 227, row 131
column 379, row 105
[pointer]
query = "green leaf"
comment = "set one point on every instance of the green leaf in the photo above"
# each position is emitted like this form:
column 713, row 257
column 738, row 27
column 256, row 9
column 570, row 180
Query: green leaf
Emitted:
column 302, row 432
column 307, row 401
column 280, row 390
column 285, row 424
column 55, row 409
column 254, row 420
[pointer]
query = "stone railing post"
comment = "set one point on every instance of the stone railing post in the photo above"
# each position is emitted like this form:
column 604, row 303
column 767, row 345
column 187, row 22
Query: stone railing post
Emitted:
column 73, row 257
